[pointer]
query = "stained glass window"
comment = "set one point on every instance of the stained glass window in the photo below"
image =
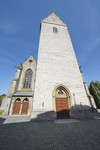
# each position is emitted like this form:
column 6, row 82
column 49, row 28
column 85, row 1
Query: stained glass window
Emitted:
column 28, row 79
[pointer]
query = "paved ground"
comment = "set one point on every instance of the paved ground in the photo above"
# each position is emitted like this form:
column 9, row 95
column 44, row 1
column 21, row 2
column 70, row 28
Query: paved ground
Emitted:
column 82, row 135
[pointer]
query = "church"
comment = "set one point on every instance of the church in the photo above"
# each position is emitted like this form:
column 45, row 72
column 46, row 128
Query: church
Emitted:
column 53, row 87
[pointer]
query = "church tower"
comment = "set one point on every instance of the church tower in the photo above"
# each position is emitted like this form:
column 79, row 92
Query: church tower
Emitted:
column 59, row 88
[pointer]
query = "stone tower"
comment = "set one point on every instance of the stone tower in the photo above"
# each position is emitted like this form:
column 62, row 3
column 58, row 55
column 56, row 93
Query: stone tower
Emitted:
column 59, row 88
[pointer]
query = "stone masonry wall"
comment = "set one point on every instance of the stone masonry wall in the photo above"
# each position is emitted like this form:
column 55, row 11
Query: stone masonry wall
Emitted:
column 57, row 65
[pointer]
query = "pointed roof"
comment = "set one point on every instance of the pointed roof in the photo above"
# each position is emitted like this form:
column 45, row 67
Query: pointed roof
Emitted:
column 29, row 58
column 52, row 18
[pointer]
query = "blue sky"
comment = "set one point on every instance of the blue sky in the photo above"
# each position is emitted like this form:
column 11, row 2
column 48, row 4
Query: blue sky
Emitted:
column 20, row 26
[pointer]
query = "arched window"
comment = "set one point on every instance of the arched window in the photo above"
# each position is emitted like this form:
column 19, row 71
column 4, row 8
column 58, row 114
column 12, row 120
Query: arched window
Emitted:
column 25, row 100
column 61, row 92
column 28, row 79
column 18, row 100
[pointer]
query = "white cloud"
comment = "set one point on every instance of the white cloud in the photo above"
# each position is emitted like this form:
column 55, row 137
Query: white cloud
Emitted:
column 8, row 27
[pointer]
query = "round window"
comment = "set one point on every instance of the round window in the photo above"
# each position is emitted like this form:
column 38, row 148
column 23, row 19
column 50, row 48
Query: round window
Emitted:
column 60, row 92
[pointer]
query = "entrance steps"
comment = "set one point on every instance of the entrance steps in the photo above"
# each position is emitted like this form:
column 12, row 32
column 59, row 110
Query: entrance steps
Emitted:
column 16, row 119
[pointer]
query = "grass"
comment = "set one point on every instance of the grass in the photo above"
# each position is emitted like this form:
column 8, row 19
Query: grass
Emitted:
column 1, row 112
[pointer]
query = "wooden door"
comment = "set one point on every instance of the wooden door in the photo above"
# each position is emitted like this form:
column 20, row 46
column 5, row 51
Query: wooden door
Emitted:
column 16, row 107
column 62, row 108
column 25, row 107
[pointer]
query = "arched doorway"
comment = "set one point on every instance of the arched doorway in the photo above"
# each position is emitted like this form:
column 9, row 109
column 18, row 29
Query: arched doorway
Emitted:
column 25, row 104
column 16, row 107
column 62, row 103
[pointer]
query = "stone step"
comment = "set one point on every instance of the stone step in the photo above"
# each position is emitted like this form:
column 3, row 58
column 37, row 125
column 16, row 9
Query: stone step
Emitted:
column 16, row 119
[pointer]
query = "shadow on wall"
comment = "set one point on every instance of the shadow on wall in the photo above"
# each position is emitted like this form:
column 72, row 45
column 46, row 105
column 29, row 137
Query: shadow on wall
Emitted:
column 2, row 120
column 82, row 111
column 77, row 112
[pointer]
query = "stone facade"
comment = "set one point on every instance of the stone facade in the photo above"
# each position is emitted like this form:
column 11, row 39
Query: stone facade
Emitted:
column 16, row 89
column 57, row 68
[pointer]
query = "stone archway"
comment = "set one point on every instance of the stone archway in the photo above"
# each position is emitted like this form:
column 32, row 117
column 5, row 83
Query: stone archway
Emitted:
column 16, row 107
column 25, row 105
column 62, row 103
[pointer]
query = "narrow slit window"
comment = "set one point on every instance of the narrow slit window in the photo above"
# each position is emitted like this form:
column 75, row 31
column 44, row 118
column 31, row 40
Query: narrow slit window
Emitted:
column 55, row 30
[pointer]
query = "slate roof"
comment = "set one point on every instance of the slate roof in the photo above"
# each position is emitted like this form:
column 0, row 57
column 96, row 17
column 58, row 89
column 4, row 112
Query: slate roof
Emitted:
column 23, row 94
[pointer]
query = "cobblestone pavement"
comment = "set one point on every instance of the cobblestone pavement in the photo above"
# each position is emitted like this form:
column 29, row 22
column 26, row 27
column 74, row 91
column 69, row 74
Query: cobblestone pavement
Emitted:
column 82, row 135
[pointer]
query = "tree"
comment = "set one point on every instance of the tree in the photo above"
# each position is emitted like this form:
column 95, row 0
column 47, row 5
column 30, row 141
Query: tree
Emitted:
column 94, row 89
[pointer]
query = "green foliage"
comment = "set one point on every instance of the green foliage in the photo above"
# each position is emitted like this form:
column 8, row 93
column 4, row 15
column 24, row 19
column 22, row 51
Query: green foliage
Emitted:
column 94, row 89
column 1, row 112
